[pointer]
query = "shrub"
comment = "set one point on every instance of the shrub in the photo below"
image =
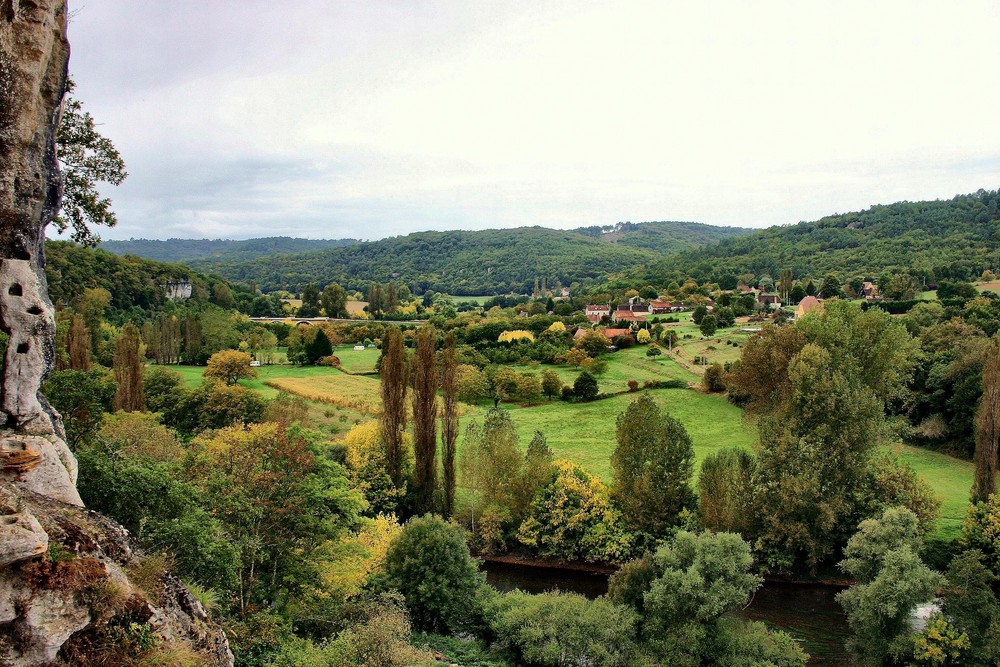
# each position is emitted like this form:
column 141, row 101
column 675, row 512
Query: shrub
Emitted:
column 714, row 378
column 653, row 351
column 633, row 385
column 429, row 563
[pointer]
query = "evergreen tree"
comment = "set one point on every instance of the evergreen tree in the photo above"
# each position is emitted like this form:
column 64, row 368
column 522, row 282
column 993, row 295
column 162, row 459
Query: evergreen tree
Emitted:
column 318, row 347
column 128, row 367
column 394, row 385
column 424, row 421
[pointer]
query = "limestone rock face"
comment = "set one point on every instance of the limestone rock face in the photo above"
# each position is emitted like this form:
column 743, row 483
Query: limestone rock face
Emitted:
column 58, row 606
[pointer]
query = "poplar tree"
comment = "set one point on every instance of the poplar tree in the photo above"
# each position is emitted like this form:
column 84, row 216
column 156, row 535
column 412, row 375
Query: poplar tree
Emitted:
column 78, row 344
column 449, row 420
column 988, row 427
column 424, row 420
column 128, row 367
column 394, row 385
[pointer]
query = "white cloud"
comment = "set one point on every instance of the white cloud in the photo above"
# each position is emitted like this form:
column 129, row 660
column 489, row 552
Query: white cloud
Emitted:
column 321, row 118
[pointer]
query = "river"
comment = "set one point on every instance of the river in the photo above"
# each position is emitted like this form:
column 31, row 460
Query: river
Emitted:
column 809, row 612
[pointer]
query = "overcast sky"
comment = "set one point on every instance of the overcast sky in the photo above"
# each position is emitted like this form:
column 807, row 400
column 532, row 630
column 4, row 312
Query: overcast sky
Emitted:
column 367, row 118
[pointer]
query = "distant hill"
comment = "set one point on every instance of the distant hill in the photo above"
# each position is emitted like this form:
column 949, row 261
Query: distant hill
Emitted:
column 665, row 237
column 954, row 239
column 492, row 261
column 187, row 250
column 133, row 282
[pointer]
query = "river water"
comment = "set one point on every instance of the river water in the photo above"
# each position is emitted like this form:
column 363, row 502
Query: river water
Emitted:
column 809, row 612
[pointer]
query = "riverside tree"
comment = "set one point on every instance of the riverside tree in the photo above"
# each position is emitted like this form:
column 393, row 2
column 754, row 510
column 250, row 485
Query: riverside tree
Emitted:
column 128, row 366
column 652, row 466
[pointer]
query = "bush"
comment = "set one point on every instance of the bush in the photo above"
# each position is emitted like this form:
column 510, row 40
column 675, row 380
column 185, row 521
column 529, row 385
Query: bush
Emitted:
column 555, row 629
column 714, row 378
column 633, row 385
column 430, row 565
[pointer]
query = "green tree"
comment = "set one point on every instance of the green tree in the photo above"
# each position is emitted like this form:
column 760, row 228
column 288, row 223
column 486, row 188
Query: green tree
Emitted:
column 222, row 296
column 699, row 579
column 971, row 606
column 429, row 563
column 699, row 313
column 310, row 301
column 883, row 559
column 557, row 629
column 334, row 301
column 86, row 158
column 708, row 325
column 831, row 287
column 585, row 387
column 652, row 466
column 726, row 492
column 82, row 398
column 813, row 460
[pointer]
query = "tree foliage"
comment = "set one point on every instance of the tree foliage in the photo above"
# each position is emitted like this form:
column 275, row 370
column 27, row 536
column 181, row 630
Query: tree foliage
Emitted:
column 86, row 158
column 652, row 466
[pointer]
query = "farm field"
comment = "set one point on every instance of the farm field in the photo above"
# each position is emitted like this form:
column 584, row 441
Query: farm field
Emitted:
column 585, row 432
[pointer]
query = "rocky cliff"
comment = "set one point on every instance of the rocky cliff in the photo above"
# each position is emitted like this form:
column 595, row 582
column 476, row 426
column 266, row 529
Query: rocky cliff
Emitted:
column 74, row 589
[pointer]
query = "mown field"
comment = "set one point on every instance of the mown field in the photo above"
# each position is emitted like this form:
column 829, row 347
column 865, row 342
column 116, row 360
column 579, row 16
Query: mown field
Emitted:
column 585, row 432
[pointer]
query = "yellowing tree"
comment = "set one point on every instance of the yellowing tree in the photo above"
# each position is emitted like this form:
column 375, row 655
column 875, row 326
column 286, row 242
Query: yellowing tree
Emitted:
column 511, row 336
column 556, row 328
column 643, row 336
column 230, row 366
column 353, row 559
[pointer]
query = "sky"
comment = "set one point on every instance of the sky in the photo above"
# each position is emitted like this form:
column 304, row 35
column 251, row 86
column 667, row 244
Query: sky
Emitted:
column 370, row 118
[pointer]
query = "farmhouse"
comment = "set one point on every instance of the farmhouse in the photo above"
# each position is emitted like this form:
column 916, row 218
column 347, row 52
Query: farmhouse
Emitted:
column 660, row 307
column 769, row 300
column 809, row 304
column 628, row 316
column 599, row 311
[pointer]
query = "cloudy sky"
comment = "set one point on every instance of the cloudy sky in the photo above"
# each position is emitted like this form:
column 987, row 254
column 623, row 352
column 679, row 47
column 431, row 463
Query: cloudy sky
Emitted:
column 369, row 118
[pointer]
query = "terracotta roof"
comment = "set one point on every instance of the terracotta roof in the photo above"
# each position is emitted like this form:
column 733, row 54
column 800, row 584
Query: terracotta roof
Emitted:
column 613, row 333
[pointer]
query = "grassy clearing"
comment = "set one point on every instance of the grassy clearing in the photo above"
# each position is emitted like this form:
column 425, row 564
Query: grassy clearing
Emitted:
column 950, row 478
column 357, row 361
column 585, row 432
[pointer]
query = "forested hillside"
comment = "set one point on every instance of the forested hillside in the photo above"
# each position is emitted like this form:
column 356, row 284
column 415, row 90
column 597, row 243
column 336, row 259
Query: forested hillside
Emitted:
column 491, row 261
column 186, row 250
column 663, row 236
column 459, row 262
column 953, row 239
column 132, row 282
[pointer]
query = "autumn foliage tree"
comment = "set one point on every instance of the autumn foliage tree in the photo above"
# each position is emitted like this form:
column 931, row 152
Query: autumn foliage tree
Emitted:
column 78, row 344
column 394, row 385
column 129, row 370
column 449, row 421
column 230, row 366
column 425, row 420
column 988, row 427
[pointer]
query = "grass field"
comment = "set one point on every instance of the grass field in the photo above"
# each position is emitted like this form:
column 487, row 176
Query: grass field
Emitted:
column 357, row 361
column 585, row 432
